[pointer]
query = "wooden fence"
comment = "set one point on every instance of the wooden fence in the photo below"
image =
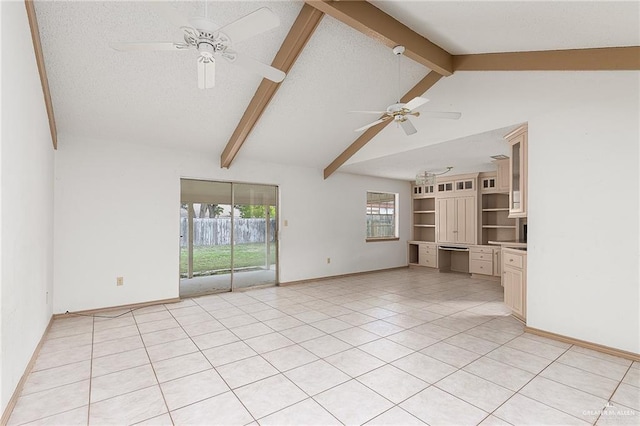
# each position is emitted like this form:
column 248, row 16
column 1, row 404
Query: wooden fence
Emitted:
column 217, row 231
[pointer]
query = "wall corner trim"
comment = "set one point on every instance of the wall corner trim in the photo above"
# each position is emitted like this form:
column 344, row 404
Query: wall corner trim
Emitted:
column 584, row 344
column 37, row 48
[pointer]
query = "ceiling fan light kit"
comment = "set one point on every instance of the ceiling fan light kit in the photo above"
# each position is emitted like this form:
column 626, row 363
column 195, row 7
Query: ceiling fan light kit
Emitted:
column 400, row 112
column 213, row 42
column 427, row 177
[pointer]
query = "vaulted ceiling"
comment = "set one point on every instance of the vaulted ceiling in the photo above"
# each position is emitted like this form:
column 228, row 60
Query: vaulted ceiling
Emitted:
column 152, row 97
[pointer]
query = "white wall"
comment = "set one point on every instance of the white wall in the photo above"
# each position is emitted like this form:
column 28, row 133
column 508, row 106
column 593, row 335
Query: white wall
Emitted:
column 26, row 223
column 117, row 214
column 583, row 252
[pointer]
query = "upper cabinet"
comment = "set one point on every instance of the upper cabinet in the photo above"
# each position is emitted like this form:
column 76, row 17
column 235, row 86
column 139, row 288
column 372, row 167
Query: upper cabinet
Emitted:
column 518, row 172
column 502, row 181
column 457, row 209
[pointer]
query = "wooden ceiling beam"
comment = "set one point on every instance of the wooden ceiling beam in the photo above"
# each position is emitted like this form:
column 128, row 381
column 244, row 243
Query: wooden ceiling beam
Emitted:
column 598, row 59
column 418, row 90
column 300, row 33
column 373, row 22
column 44, row 81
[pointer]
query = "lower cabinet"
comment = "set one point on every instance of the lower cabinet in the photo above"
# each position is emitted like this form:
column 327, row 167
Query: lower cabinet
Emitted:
column 481, row 260
column 497, row 262
column 428, row 255
column 514, row 281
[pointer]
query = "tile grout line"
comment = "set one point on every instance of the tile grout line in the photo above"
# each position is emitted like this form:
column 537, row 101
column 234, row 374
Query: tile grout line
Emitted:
column 273, row 375
column 93, row 329
column 208, row 361
column 373, row 292
column 615, row 390
column 540, row 402
column 144, row 345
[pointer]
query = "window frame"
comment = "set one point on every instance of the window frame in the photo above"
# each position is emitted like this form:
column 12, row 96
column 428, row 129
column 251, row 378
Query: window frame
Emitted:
column 380, row 206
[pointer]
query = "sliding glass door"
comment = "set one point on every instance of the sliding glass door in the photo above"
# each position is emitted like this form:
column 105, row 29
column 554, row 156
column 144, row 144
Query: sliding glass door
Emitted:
column 228, row 237
column 254, row 235
column 205, row 237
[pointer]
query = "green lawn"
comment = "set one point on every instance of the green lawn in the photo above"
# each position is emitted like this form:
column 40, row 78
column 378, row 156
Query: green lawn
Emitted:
column 217, row 258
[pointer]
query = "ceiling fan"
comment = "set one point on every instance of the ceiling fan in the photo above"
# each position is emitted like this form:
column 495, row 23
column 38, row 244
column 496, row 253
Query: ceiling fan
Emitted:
column 400, row 112
column 212, row 41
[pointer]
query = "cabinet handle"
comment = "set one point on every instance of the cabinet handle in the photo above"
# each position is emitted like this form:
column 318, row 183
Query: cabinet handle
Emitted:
column 510, row 260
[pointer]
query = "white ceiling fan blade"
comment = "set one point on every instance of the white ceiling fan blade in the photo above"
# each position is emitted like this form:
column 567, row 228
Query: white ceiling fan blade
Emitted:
column 251, row 25
column 206, row 73
column 135, row 47
column 169, row 13
column 408, row 127
column 415, row 103
column 438, row 114
column 369, row 112
column 371, row 125
column 202, row 23
column 257, row 67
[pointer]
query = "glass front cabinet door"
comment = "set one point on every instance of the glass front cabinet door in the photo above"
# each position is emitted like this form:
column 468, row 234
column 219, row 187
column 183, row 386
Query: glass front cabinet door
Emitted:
column 518, row 172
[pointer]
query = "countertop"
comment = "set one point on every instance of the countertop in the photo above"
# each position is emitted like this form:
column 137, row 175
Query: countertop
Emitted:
column 509, row 244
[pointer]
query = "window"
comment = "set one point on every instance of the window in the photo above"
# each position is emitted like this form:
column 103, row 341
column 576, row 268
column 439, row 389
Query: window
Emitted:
column 381, row 216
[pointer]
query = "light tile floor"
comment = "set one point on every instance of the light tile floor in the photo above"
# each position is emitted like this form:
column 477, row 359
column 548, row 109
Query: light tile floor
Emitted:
column 400, row 347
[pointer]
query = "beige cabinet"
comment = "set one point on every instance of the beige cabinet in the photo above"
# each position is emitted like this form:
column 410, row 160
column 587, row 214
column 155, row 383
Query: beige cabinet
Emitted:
column 422, row 190
column 457, row 218
column 488, row 183
column 497, row 261
column 514, row 281
column 518, row 172
column 428, row 255
column 481, row 260
column 502, row 176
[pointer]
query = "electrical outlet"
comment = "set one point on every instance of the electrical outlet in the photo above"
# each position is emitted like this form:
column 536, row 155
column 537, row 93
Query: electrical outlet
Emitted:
column 328, row 260
column 119, row 280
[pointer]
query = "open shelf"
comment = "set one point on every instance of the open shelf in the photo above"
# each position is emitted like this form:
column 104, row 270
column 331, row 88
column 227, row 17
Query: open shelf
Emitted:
column 423, row 233
column 496, row 224
column 424, row 219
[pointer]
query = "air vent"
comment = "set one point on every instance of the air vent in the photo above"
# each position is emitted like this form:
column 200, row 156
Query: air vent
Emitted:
column 499, row 157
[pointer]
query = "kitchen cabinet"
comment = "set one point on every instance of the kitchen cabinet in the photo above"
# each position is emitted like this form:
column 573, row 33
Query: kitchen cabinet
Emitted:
column 518, row 172
column 423, row 254
column 497, row 262
column 457, row 209
column 502, row 175
column 489, row 184
column 422, row 190
column 457, row 218
column 481, row 260
column 428, row 255
column 514, row 281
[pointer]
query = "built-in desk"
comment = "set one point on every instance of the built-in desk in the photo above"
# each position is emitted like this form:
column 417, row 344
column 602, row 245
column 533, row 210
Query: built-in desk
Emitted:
column 453, row 258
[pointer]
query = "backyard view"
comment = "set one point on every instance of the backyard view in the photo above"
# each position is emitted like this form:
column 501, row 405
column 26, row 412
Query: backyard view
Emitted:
column 217, row 259
column 211, row 236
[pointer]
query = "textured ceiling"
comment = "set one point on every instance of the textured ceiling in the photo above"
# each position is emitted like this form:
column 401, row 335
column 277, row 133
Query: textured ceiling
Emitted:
column 340, row 70
column 465, row 27
column 147, row 97
column 152, row 97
